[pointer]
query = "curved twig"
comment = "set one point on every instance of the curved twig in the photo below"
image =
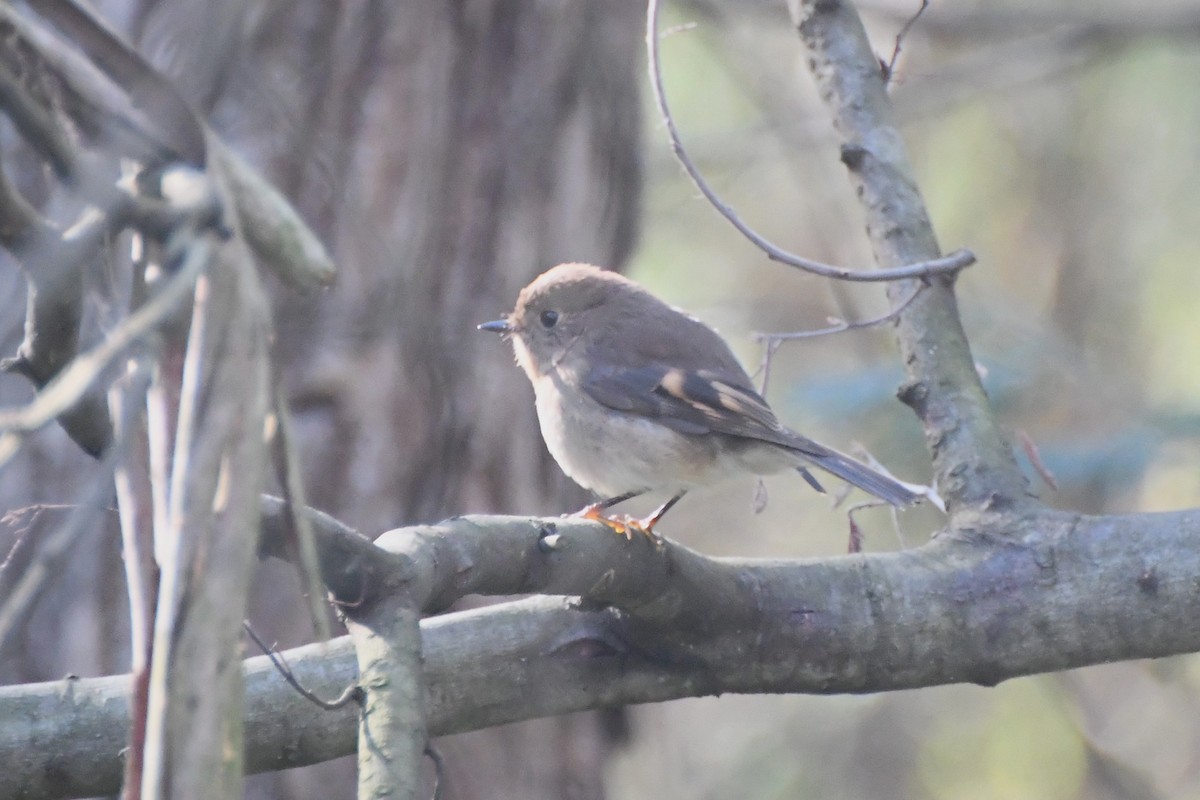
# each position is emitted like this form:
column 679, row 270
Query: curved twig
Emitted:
column 889, row 67
column 772, row 341
column 945, row 265
column 351, row 694
column 841, row 325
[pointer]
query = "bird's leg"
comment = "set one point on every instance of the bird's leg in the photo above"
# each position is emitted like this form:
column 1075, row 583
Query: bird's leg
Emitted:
column 646, row 526
column 627, row 525
column 595, row 511
column 592, row 510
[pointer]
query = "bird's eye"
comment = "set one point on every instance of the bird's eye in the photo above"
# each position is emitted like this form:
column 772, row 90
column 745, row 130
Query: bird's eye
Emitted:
column 548, row 318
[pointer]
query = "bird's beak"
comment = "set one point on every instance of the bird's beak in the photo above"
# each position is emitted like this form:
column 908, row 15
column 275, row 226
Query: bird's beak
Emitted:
column 498, row 326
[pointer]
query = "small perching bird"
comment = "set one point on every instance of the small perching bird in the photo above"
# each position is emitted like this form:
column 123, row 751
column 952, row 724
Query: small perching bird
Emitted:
column 635, row 396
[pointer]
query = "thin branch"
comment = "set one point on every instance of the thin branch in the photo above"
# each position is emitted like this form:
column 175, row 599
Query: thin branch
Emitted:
column 82, row 520
column 841, row 325
column 287, row 468
column 772, row 341
column 192, row 742
column 351, row 694
column 127, row 398
column 945, row 265
column 34, row 577
column 770, row 347
column 889, row 69
column 1030, row 448
column 23, row 521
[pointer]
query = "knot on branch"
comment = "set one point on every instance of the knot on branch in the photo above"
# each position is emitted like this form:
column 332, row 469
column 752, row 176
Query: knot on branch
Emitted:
column 853, row 155
column 914, row 394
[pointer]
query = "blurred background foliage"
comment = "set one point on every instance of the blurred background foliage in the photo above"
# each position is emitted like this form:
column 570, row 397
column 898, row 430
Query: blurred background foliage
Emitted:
column 1060, row 142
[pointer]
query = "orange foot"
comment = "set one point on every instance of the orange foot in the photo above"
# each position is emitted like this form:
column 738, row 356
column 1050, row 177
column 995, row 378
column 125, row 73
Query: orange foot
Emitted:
column 624, row 525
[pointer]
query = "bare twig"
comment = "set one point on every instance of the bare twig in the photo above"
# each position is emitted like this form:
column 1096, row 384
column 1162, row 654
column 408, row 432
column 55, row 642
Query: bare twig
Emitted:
column 219, row 465
column 126, row 398
column 854, row 543
column 889, row 69
column 946, row 265
column 81, row 520
column 1030, row 448
column 770, row 347
column 23, row 521
column 841, row 325
column 131, row 480
column 352, row 694
column 34, row 577
column 772, row 341
column 287, row 468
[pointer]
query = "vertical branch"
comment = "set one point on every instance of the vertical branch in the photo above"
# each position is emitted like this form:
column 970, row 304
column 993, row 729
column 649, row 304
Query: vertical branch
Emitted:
column 287, row 467
column 391, row 734
column 194, row 746
column 132, row 483
column 973, row 464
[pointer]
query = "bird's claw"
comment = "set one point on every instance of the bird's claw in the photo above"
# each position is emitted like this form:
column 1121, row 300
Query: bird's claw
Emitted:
column 624, row 525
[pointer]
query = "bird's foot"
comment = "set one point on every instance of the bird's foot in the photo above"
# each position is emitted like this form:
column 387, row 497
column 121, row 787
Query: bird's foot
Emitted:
column 624, row 525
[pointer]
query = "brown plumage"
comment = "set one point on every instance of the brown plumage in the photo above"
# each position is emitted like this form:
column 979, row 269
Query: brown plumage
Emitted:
column 634, row 395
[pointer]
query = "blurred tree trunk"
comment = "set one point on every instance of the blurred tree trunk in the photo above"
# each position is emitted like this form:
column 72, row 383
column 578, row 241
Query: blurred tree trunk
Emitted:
column 447, row 153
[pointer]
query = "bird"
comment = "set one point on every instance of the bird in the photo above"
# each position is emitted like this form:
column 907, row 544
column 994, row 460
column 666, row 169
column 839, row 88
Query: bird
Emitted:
column 635, row 396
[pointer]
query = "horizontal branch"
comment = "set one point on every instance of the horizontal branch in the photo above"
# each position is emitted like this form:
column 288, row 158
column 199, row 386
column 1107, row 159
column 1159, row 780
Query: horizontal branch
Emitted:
column 981, row 604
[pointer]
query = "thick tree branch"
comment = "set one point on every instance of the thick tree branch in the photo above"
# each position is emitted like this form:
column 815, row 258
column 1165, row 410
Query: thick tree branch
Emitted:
column 973, row 464
column 392, row 734
column 1053, row 591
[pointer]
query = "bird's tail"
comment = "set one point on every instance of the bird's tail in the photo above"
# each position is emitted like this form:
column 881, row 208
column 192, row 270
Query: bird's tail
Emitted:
column 857, row 473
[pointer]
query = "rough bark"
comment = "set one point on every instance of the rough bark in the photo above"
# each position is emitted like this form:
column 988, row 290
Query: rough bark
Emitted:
column 972, row 461
column 1051, row 592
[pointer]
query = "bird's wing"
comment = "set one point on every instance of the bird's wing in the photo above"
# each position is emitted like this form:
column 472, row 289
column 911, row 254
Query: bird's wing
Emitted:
column 702, row 401
column 689, row 401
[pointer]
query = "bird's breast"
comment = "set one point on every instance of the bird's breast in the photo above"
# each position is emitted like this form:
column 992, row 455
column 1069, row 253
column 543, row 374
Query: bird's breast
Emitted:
column 612, row 452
